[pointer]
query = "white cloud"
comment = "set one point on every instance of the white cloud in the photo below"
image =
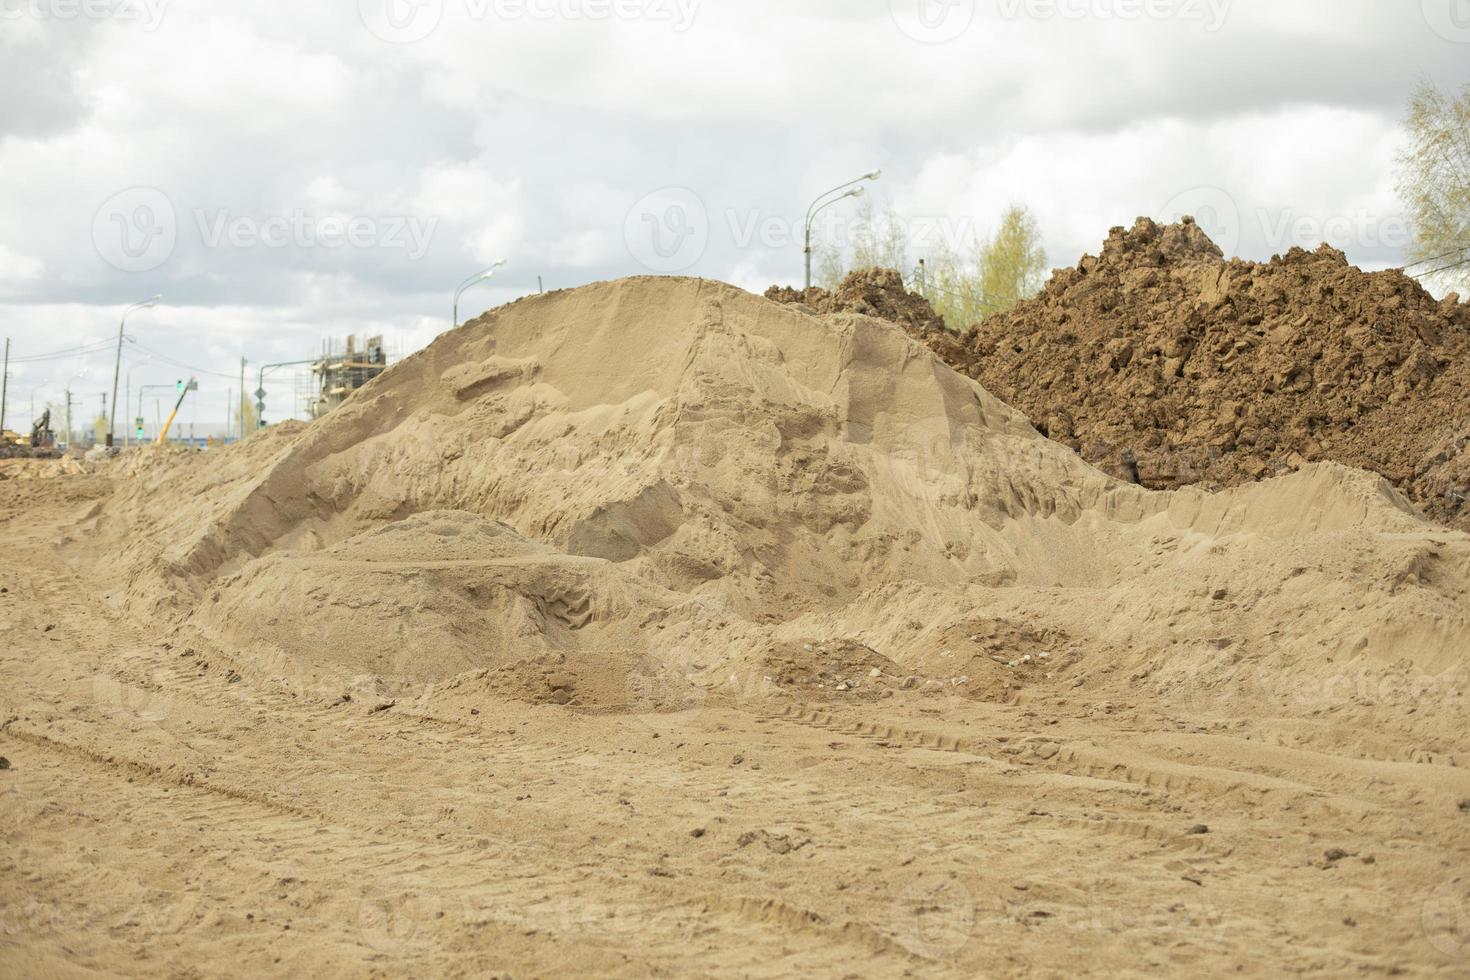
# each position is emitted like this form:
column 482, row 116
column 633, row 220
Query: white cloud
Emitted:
column 16, row 268
column 531, row 139
column 1081, row 183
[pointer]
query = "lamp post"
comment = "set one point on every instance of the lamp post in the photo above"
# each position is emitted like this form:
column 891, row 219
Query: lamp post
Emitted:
column 471, row 281
column 117, row 367
column 825, row 201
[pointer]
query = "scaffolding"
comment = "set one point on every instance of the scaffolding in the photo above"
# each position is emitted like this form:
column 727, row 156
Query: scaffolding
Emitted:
column 339, row 373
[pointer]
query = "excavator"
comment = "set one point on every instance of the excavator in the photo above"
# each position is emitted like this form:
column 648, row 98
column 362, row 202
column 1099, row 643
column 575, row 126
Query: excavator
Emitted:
column 41, row 435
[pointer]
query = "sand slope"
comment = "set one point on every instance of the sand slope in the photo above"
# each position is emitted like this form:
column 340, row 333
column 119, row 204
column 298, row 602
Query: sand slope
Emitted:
column 655, row 629
column 663, row 467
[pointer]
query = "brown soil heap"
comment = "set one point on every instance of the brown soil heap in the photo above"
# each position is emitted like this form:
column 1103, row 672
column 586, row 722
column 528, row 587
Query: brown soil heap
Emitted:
column 1168, row 365
column 871, row 292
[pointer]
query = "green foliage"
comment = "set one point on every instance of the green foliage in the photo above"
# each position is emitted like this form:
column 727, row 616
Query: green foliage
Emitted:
column 952, row 285
column 878, row 240
column 1013, row 263
column 248, row 418
column 994, row 276
column 964, row 286
column 827, row 267
column 1434, row 181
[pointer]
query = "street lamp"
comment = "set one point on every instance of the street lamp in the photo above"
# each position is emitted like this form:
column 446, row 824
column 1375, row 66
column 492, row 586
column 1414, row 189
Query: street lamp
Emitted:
column 473, row 280
column 822, row 203
column 117, row 367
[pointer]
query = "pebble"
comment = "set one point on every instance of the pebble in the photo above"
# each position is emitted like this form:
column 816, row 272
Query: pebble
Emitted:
column 875, row 673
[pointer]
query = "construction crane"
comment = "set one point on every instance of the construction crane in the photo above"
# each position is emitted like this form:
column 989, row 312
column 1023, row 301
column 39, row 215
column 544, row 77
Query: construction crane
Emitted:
column 184, row 390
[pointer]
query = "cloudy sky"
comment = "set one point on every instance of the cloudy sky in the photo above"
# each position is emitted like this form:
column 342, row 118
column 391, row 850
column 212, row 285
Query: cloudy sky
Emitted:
column 287, row 172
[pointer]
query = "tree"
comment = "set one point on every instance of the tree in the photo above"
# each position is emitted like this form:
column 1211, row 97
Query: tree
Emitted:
column 247, row 417
column 951, row 283
column 1434, row 182
column 963, row 286
column 996, row 274
column 878, row 240
column 1013, row 263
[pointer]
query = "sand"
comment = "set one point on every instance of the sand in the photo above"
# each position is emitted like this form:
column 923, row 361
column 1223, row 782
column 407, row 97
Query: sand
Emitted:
column 655, row 628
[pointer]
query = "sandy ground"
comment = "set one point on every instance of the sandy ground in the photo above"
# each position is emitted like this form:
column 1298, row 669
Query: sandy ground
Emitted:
column 1239, row 760
column 162, row 818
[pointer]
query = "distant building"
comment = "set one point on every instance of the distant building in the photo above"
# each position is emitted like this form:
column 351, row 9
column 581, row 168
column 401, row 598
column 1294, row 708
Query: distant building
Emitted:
column 339, row 374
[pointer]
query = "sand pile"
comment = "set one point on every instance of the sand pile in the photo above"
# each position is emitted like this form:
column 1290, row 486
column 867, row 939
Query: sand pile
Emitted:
column 615, row 495
column 1166, row 364
column 41, row 467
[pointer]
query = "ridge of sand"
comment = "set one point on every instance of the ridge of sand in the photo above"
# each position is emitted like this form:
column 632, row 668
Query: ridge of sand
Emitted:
column 656, row 629
column 669, row 470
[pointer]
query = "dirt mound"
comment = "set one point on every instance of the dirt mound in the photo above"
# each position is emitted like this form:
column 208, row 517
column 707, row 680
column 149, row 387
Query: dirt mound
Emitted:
column 661, row 482
column 1168, row 365
column 870, row 292
column 879, row 293
column 14, row 451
